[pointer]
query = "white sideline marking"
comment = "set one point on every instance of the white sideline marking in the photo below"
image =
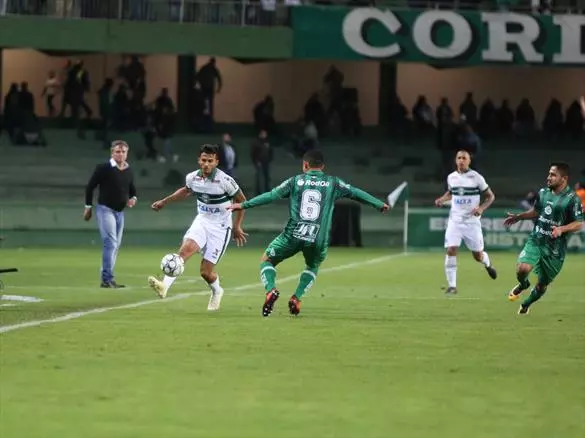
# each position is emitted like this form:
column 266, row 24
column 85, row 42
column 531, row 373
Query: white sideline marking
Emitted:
column 21, row 298
column 75, row 315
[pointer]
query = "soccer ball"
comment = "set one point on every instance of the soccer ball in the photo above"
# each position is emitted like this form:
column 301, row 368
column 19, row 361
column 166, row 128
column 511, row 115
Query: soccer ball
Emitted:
column 172, row 265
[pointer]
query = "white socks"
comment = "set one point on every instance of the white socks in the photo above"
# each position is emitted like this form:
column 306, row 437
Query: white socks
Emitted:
column 451, row 270
column 215, row 287
column 485, row 259
column 168, row 281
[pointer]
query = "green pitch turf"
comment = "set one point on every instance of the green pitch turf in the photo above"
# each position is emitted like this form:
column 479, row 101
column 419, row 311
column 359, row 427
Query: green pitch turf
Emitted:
column 378, row 351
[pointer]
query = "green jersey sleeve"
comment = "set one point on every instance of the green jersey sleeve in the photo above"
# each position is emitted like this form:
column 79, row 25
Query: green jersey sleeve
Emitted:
column 538, row 201
column 280, row 192
column 344, row 190
column 575, row 210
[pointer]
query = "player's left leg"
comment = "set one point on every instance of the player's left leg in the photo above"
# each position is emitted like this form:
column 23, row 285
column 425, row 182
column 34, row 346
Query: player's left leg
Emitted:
column 453, row 236
column 281, row 248
column 119, row 216
column 314, row 256
column 473, row 238
column 547, row 270
column 218, row 239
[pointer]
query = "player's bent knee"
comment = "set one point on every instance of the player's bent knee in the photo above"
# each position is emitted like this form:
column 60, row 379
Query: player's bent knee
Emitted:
column 477, row 255
column 451, row 251
column 523, row 268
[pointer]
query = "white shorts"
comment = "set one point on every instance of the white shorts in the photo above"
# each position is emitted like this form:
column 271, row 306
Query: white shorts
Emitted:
column 211, row 238
column 470, row 233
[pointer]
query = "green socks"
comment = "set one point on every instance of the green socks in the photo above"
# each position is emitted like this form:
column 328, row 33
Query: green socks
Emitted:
column 523, row 280
column 268, row 275
column 308, row 277
column 535, row 295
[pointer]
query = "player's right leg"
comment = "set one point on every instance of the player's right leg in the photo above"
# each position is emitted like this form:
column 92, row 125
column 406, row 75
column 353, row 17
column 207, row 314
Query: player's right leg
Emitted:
column 473, row 238
column 548, row 269
column 193, row 241
column 314, row 256
column 453, row 237
column 529, row 258
column 281, row 248
column 106, row 221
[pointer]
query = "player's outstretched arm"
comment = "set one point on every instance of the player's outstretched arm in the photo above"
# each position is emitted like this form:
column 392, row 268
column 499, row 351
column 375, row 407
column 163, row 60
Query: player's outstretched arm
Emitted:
column 179, row 195
column 280, row 192
column 512, row 218
column 364, row 197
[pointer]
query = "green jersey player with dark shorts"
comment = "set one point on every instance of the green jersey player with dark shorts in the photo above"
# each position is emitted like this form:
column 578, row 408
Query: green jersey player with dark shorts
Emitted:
column 312, row 197
column 559, row 212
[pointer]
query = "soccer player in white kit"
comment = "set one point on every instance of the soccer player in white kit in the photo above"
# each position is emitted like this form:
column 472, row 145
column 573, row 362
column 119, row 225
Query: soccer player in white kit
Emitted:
column 464, row 189
column 211, row 230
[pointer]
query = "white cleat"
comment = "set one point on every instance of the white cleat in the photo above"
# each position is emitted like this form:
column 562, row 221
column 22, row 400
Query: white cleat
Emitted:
column 157, row 286
column 215, row 300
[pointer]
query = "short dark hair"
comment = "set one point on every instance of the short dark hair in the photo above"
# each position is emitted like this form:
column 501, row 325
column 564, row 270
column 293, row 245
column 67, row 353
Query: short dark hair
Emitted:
column 211, row 149
column 562, row 167
column 314, row 158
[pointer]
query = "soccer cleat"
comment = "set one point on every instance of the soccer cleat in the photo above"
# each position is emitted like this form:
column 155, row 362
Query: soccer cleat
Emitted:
column 491, row 272
column 271, row 298
column 451, row 291
column 157, row 286
column 215, row 300
column 294, row 305
column 111, row 285
column 515, row 293
column 523, row 310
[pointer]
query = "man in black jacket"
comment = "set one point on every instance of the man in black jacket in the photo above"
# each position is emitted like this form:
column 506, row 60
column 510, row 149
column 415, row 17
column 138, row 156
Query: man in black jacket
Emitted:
column 116, row 192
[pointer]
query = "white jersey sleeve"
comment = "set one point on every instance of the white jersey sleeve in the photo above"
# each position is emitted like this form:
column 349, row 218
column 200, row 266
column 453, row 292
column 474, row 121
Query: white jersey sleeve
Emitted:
column 190, row 180
column 229, row 185
column 481, row 183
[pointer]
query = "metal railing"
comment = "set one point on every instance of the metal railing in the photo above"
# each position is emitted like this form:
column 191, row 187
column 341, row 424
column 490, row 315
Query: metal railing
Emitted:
column 251, row 12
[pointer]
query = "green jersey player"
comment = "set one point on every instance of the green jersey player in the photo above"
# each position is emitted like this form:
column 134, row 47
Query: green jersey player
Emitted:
column 312, row 197
column 559, row 212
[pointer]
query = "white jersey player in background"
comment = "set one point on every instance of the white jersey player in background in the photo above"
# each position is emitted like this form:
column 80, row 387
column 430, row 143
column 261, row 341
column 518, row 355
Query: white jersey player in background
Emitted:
column 464, row 189
column 211, row 230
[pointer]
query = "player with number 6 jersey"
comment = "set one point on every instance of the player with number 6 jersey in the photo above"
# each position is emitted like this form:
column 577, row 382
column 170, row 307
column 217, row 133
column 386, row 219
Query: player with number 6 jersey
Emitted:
column 312, row 197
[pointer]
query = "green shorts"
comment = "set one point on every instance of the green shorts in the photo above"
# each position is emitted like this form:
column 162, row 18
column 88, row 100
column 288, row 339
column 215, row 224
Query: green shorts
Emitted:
column 545, row 266
column 284, row 247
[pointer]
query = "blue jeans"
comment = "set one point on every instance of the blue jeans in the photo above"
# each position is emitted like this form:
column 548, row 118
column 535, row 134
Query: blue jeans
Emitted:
column 111, row 226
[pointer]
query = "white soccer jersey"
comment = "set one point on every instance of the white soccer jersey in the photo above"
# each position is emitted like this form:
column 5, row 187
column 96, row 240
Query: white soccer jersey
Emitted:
column 214, row 193
column 466, row 189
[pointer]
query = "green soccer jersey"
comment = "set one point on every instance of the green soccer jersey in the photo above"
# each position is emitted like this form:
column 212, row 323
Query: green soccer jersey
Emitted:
column 312, row 197
column 555, row 210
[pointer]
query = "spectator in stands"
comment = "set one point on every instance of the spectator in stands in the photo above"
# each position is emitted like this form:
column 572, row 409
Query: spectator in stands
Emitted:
column 422, row 115
column 121, row 108
column 51, row 89
column 306, row 140
column 228, row 157
column 201, row 118
column 574, row 120
column 525, row 119
column 314, row 112
column 488, row 122
column 209, row 78
column 552, row 124
column 105, row 103
column 165, row 127
column 149, row 134
column 264, row 115
column 333, row 83
column 444, row 139
column 399, row 123
column 163, row 102
column 351, row 120
column 115, row 182
column 78, row 84
column 528, row 202
column 26, row 99
column 262, row 155
column 12, row 112
column 469, row 110
column 505, row 117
